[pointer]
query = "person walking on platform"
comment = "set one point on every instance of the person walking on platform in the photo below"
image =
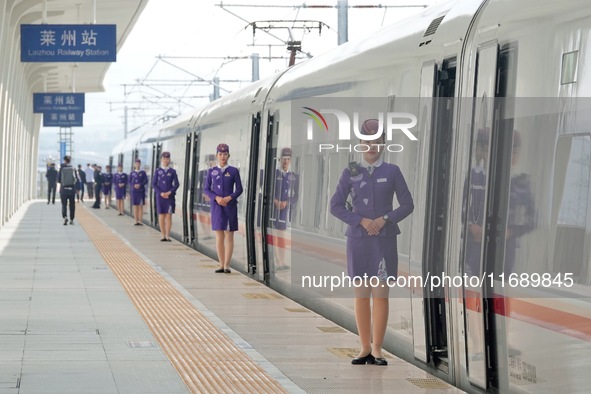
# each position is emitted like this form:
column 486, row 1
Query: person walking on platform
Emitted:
column 81, row 183
column 51, row 176
column 120, row 181
column 223, row 186
column 371, row 236
column 89, row 172
column 107, row 183
column 67, row 178
column 98, row 185
column 138, row 180
column 165, row 184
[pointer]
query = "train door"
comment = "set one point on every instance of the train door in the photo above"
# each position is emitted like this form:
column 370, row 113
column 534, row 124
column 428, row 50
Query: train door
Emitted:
column 156, row 150
column 478, row 309
column 268, row 186
column 253, row 195
column 436, row 118
column 195, row 188
column 134, row 156
column 187, row 189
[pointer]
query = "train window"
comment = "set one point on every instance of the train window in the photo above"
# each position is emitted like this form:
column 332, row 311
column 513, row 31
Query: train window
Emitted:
column 571, row 195
column 568, row 73
column 311, row 182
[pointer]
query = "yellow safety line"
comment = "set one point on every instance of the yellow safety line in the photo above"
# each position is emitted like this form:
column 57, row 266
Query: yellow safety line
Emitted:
column 205, row 358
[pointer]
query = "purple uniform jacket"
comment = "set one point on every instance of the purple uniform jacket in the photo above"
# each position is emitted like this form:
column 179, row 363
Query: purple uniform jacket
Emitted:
column 372, row 197
column 223, row 184
column 165, row 181
column 120, row 178
column 107, row 180
column 286, row 189
column 138, row 178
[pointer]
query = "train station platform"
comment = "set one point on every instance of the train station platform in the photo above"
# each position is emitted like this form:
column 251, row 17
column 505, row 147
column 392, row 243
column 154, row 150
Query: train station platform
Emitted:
column 102, row 306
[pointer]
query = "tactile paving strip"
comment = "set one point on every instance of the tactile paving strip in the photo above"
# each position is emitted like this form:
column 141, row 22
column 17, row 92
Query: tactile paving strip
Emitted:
column 205, row 358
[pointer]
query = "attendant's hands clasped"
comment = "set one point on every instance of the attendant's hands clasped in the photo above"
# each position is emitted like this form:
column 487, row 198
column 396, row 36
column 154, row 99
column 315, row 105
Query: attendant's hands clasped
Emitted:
column 373, row 226
column 223, row 201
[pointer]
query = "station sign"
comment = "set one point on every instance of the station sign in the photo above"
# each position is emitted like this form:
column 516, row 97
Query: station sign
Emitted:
column 62, row 119
column 58, row 102
column 68, row 43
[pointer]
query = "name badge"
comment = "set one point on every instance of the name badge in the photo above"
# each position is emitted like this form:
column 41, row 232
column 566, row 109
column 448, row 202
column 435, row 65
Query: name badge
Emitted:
column 382, row 180
column 227, row 174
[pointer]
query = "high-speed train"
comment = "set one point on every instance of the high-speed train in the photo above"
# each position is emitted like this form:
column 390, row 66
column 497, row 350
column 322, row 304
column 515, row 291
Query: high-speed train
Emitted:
column 485, row 105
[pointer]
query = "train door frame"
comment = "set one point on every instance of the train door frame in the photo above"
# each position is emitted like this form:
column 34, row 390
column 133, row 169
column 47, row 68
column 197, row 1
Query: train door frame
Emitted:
column 268, row 185
column 436, row 219
column 429, row 308
column 156, row 150
column 479, row 311
column 193, row 234
column 251, row 194
column 417, row 296
column 187, row 188
column 135, row 155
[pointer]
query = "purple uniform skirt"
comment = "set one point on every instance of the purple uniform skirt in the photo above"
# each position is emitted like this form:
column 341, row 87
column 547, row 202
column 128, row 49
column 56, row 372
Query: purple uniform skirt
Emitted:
column 138, row 197
column 374, row 256
column 119, row 193
column 224, row 218
column 106, row 189
column 165, row 205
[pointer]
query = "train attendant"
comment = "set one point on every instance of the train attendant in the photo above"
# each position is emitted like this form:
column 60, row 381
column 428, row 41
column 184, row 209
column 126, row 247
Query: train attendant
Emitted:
column 120, row 181
column 165, row 184
column 138, row 180
column 107, row 182
column 284, row 200
column 223, row 186
column 371, row 237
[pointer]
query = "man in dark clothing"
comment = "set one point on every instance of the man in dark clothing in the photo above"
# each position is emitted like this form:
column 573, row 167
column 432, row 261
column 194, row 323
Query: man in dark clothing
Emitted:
column 98, row 184
column 67, row 178
column 51, row 176
column 81, row 183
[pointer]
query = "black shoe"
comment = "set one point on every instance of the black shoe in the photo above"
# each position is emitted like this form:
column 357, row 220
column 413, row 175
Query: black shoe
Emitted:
column 219, row 271
column 65, row 221
column 227, row 271
column 380, row 361
column 137, row 224
column 369, row 359
column 163, row 240
column 53, row 203
column 168, row 240
column 47, row 202
column 72, row 221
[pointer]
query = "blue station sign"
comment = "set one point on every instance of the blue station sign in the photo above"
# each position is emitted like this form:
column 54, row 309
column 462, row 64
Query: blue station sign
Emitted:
column 68, row 43
column 62, row 119
column 58, row 102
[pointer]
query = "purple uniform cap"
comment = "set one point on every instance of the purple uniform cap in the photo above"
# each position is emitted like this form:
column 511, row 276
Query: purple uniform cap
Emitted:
column 165, row 154
column 370, row 127
column 286, row 152
column 138, row 161
column 223, row 148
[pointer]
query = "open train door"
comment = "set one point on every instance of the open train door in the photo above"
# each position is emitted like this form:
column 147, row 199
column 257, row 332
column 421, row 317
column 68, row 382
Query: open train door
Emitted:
column 429, row 309
column 156, row 150
column 478, row 308
column 253, row 195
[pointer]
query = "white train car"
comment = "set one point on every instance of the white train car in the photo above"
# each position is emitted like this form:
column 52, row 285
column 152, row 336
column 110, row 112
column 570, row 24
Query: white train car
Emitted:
column 502, row 160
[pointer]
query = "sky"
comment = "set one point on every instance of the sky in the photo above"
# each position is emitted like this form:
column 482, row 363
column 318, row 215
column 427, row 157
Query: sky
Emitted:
column 162, row 82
